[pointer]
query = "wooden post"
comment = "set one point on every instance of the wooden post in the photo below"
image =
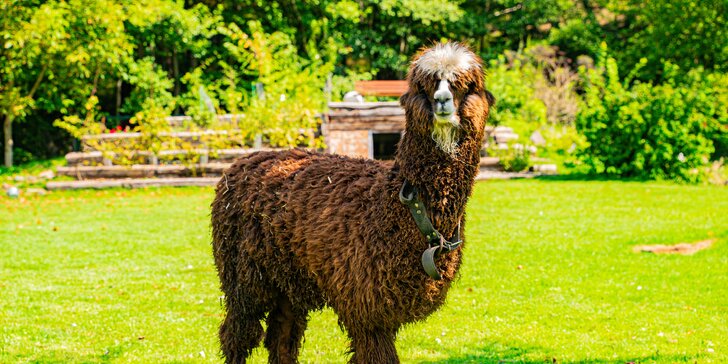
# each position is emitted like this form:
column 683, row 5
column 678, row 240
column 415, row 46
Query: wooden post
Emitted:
column 175, row 74
column 260, row 90
column 328, row 89
column 118, row 96
column 258, row 141
column 8, row 139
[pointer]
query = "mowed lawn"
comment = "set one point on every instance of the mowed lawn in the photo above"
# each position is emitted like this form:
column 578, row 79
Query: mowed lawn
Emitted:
column 549, row 276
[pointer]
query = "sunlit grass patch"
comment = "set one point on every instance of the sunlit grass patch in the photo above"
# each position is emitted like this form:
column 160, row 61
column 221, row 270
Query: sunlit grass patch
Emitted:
column 549, row 273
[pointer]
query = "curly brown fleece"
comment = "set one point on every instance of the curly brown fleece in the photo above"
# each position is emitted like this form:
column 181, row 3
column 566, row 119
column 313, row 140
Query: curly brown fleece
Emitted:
column 295, row 231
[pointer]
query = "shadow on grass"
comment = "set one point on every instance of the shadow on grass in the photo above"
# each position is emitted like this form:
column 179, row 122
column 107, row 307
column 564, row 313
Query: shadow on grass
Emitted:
column 589, row 177
column 110, row 354
column 500, row 354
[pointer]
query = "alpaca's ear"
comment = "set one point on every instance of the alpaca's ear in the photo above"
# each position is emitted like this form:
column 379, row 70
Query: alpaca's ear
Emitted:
column 474, row 110
column 417, row 108
column 404, row 99
column 490, row 98
column 476, row 82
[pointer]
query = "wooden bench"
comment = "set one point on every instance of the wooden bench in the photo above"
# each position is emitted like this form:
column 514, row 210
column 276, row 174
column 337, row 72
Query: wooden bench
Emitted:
column 381, row 88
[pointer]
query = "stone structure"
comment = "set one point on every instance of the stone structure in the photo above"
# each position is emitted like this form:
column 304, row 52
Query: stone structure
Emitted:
column 368, row 130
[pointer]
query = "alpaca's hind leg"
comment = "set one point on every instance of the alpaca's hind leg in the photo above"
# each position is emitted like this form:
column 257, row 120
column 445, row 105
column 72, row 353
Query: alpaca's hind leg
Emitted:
column 239, row 334
column 373, row 347
column 246, row 302
column 284, row 332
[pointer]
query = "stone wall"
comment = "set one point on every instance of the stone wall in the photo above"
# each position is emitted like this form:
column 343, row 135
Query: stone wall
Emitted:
column 348, row 127
column 353, row 143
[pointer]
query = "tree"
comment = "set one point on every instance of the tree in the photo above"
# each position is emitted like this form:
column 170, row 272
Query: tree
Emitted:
column 690, row 34
column 31, row 39
column 56, row 55
column 494, row 26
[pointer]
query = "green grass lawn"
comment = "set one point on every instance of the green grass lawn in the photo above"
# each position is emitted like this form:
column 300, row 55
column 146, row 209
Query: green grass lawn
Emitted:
column 549, row 274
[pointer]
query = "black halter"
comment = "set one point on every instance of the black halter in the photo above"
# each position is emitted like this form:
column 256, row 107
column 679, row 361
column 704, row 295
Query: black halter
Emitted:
column 438, row 243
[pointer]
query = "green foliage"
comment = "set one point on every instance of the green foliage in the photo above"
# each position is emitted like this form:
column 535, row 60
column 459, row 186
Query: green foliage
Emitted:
column 517, row 105
column 196, row 102
column 341, row 84
column 293, row 90
column 205, row 57
column 534, row 87
column 90, row 125
column 388, row 32
column 284, row 115
column 498, row 25
column 577, row 37
column 535, row 92
column 151, row 85
column 78, row 127
column 370, row 36
column 32, row 168
column 652, row 131
column 57, row 54
column 514, row 159
column 690, row 34
column 562, row 146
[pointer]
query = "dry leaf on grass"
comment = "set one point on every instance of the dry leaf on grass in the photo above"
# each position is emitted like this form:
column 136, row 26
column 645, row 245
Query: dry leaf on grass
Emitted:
column 682, row 248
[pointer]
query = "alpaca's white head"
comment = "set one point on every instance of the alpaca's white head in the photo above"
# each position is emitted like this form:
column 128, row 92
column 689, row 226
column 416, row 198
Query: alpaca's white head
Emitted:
column 441, row 80
column 446, row 61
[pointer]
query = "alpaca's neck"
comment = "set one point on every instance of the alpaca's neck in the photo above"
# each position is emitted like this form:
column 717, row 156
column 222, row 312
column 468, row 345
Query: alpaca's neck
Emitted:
column 444, row 182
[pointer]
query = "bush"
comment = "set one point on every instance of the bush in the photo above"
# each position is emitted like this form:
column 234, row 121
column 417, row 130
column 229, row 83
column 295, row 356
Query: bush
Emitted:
column 36, row 139
column 513, row 83
column 577, row 37
column 283, row 116
column 516, row 158
column 279, row 106
column 535, row 89
column 651, row 131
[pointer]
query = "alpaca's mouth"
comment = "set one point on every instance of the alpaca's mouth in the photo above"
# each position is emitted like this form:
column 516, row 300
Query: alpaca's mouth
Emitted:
column 446, row 118
column 444, row 109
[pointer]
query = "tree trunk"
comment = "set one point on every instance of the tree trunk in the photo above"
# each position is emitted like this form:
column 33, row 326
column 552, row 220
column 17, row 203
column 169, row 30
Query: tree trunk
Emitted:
column 8, row 139
column 175, row 74
column 118, row 96
column 8, row 124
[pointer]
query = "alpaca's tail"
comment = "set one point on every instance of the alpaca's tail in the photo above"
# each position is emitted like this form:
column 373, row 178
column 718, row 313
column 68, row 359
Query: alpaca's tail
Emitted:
column 228, row 216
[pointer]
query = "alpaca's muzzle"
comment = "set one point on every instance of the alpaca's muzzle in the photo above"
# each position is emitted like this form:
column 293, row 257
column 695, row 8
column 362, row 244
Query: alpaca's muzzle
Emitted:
column 444, row 105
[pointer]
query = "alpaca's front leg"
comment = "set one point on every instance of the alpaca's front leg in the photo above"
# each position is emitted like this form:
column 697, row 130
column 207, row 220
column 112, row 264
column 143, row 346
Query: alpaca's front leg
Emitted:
column 375, row 346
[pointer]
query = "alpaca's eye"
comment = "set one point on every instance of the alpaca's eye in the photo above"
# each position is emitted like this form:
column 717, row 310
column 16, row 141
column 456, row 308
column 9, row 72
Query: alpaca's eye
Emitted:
column 471, row 87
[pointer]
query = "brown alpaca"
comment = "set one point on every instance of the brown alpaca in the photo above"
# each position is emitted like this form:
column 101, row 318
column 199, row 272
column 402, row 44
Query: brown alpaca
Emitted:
column 295, row 231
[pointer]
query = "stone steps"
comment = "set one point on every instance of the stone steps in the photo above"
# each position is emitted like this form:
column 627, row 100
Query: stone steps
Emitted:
column 143, row 171
column 213, row 169
column 93, row 158
column 132, row 183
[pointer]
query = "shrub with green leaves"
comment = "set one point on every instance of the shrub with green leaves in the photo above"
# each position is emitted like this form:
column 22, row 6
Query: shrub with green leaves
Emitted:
column 535, row 89
column 513, row 83
column 650, row 131
column 516, row 158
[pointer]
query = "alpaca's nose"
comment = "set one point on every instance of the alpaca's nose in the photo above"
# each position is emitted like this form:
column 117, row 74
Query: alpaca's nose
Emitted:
column 443, row 97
